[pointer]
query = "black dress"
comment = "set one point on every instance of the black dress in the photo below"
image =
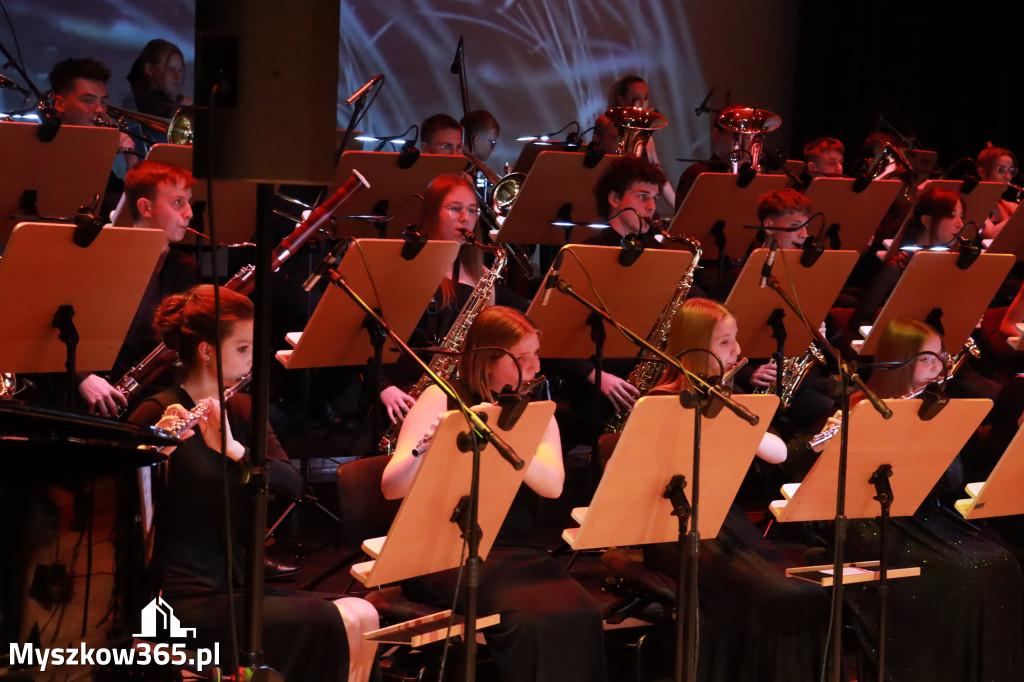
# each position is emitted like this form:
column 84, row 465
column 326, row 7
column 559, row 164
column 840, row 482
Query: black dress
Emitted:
column 304, row 636
column 550, row 628
column 755, row 623
column 961, row 620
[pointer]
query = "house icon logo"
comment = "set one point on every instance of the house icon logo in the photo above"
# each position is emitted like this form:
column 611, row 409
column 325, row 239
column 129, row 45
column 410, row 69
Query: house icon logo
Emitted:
column 158, row 617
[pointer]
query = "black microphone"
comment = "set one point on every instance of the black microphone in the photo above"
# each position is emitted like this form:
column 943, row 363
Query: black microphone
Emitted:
column 6, row 82
column 551, row 281
column 456, row 66
column 766, row 269
column 364, row 89
column 703, row 108
column 330, row 261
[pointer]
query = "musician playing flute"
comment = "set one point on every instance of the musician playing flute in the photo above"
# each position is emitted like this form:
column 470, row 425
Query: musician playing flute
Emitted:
column 306, row 636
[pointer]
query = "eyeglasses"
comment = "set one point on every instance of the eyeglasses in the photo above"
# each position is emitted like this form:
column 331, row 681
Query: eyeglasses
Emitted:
column 1011, row 171
column 456, row 210
column 493, row 143
column 448, row 148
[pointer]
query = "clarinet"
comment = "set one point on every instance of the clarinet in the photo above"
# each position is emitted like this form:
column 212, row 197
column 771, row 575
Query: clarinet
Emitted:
column 243, row 282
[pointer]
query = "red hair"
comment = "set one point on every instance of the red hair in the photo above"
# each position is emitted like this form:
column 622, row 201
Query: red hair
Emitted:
column 142, row 179
column 185, row 320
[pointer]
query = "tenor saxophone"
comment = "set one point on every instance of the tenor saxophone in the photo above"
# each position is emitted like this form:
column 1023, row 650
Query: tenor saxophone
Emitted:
column 443, row 364
column 649, row 368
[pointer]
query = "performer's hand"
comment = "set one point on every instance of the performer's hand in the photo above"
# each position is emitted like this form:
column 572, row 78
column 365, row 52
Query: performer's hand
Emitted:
column 397, row 402
column 622, row 394
column 833, row 421
column 100, row 396
column 167, row 421
column 764, row 375
column 209, row 426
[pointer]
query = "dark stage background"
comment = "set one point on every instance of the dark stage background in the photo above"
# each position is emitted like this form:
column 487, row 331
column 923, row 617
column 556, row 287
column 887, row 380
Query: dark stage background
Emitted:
column 828, row 68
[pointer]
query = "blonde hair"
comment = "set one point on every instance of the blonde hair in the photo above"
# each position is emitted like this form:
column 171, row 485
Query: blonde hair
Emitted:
column 496, row 326
column 692, row 327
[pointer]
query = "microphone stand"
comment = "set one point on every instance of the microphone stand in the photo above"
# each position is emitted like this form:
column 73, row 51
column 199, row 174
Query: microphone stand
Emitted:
column 479, row 432
column 847, row 379
column 706, row 399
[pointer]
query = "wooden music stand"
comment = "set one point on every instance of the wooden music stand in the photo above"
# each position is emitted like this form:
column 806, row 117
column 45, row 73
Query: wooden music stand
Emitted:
column 423, row 538
column 54, row 178
column 918, row 452
column 633, row 295
column 999, row 495
column 855, row 215
column 559, row 187
column 816, row 289
column 335, row 335
column 390, row 187
column 1010, row 238
column 235, row 205
column 531, row 150
column 42, row 270
column 717, row 205
column 628, row 507
column 933, row 285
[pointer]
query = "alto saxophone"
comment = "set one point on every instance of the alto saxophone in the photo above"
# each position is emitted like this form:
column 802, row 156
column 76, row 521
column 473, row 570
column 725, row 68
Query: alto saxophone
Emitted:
column 444, row 364
column 794, row 370
column 649, row 368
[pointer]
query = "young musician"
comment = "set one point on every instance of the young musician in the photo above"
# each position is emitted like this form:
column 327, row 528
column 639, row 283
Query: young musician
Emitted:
column 756, row 624
column 306, row 637
column 628, row 183
column 550, row 627
column 441, row 134
column 156, row 78
column 631, row 91
column 824, row 158
column 450, row 213
column 79, row 99
column 996, row 164
column 937, row 218
column 158, row 196
column 970, row 585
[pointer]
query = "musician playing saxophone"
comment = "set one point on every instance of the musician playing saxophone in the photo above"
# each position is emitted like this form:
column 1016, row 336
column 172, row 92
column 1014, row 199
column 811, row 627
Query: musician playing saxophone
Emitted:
column 450, row 213
column 158, row 196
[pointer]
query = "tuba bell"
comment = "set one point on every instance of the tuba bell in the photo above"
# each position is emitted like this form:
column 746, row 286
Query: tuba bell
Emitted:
column 635, row 126
column 750, row 125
